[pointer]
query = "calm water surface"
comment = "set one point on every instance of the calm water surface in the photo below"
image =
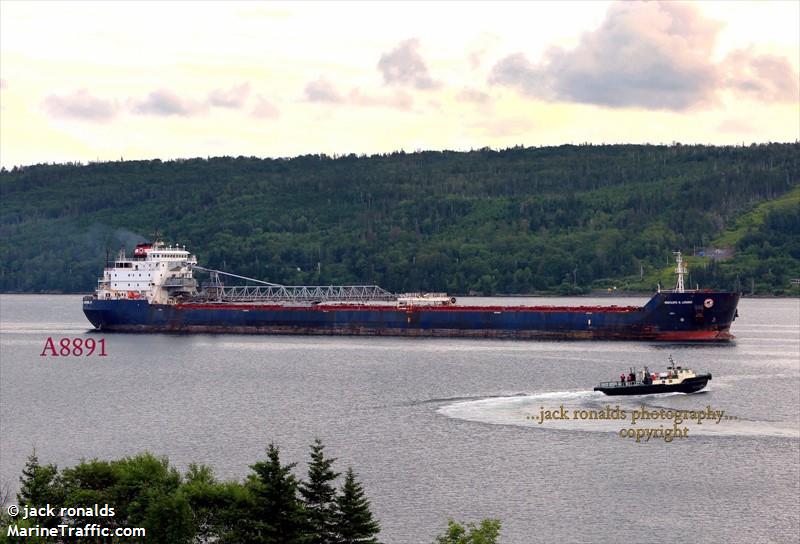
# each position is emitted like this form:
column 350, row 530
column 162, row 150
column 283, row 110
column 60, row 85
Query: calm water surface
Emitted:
column 436, row 428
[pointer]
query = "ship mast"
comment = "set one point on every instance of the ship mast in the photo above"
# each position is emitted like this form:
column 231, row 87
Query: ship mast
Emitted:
column 680, row 270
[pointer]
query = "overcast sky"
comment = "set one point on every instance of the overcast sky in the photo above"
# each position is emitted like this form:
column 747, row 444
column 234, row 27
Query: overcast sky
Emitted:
column 89, row 81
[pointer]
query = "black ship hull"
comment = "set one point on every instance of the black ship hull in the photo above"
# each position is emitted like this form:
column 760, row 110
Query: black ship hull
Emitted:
column 689, row 385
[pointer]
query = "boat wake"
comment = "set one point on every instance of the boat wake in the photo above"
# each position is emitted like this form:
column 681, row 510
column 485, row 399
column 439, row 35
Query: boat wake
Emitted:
column 46, row 328
column 592, row 411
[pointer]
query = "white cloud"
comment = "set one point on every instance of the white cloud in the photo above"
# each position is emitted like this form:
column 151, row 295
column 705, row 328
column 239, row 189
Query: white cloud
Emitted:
column 404, row 66
column 653, row 55
column 265, row 109
column 233, row 98
column 164, row 102
column 767, row 78
column 468, row 94
column 80, row 105
column 322, row 90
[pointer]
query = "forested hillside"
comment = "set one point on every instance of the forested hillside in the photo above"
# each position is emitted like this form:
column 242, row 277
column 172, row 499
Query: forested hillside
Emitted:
column 559, row 219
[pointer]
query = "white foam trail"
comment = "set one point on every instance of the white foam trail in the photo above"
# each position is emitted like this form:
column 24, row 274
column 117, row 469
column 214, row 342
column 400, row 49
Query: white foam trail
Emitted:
column 38, row 327
column 525, row 411
column 565, row 395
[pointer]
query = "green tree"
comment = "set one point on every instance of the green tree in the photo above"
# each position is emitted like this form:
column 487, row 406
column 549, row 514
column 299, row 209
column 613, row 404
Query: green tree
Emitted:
column 143, row 490
column 486, row 533
column 40, row 485
column 354, row 521
column 169, row 519
column 13, row 536
column 218, row 508
column 146, row 484
column 319, row 496
column 276, row 515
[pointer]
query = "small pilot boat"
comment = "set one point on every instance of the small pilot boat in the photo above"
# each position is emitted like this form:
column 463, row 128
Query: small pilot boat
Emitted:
column 675, row 380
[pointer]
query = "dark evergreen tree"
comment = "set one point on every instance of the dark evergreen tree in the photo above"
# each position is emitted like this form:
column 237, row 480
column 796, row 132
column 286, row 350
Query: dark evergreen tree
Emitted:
column 145, row 491
column 40, row 485
column 354, row 521
column 276, row 515
column 319, row 496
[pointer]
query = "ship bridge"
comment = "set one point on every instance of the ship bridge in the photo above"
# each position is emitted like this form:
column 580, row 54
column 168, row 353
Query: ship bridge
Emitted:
column 155, row 271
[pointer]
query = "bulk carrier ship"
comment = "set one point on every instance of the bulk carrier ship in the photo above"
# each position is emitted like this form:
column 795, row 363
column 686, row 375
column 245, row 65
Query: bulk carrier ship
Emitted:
column 155, row 291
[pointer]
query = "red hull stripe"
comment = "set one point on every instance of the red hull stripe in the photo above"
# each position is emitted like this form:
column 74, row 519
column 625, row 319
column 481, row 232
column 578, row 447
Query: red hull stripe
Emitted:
column 351, row 307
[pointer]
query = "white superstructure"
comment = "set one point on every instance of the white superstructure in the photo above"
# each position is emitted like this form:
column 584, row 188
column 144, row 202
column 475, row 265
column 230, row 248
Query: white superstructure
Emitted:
column 155, row 272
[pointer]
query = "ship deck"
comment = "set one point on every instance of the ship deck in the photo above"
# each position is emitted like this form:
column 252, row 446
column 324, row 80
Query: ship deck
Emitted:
column 393, row 308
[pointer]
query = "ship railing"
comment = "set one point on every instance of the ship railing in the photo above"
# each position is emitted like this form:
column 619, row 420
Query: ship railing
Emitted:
column 620, row 384
column 303, row 293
